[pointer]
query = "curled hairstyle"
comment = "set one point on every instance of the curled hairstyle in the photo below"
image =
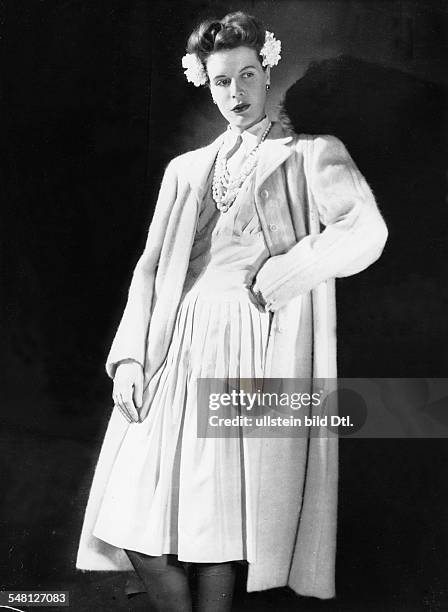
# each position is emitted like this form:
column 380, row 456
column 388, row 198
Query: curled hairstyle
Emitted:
column 234, row 30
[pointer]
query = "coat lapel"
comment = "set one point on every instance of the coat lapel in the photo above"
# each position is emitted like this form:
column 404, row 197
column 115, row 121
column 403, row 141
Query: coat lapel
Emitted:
column 201, row 162
column 273, row 152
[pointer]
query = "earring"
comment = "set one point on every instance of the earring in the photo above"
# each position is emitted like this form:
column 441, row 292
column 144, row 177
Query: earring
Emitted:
column 268, row 87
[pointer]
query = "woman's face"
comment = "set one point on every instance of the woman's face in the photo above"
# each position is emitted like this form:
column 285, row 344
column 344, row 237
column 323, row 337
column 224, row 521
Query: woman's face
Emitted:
column 238, row 85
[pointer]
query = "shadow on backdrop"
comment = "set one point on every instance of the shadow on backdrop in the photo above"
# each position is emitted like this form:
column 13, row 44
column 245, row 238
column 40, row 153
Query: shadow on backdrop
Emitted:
column 395, row 127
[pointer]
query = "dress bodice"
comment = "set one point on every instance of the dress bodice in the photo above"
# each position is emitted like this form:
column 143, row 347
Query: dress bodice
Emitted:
column 229, row 247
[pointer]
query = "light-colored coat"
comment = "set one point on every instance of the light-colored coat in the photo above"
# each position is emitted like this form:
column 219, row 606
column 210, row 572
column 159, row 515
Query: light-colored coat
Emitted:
column 302, row 183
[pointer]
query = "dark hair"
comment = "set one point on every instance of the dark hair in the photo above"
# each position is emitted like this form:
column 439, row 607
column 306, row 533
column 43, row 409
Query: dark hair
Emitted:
column 234, row 30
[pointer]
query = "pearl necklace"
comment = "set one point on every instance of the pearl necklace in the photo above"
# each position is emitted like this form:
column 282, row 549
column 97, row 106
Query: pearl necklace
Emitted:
column 224, row 189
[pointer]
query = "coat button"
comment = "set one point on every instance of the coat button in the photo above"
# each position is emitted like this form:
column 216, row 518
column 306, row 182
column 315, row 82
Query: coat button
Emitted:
column 265, row 194
column 273, row 227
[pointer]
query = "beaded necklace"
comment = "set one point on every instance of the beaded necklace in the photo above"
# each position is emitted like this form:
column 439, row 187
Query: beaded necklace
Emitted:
column 225, row 189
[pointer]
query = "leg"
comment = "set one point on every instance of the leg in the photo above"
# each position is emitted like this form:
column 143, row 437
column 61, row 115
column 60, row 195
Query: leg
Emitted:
column 214, row 586
column 165, row 580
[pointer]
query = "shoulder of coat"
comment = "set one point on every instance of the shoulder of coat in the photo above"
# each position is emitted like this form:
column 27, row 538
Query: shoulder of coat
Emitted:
column 316, row 140
column 283, row 128
column 185, row 162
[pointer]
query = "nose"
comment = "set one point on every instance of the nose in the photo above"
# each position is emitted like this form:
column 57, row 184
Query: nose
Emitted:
column 235, row 89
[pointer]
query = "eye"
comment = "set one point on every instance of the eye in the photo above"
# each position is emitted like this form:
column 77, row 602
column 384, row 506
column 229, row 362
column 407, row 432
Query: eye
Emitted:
column 248, row 75
column 222, row 82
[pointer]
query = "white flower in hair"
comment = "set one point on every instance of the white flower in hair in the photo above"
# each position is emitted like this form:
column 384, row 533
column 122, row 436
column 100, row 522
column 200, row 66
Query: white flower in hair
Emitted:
column 194, row 70
column 271, row 50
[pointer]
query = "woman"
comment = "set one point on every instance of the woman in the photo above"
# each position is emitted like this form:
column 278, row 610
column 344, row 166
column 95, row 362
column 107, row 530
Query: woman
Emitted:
column 236, row 281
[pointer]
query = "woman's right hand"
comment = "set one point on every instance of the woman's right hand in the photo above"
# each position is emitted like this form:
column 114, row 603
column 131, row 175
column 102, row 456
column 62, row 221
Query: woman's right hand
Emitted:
column 128, row 389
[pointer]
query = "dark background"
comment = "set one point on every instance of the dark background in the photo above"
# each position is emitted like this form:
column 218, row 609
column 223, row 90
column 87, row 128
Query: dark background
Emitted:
column 96, row 105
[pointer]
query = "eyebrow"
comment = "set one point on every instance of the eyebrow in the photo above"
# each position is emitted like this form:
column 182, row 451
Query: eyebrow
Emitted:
column 220, row 76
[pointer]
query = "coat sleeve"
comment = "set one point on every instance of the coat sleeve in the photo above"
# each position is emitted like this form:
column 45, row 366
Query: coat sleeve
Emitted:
column 130, row 339
column 354, row 231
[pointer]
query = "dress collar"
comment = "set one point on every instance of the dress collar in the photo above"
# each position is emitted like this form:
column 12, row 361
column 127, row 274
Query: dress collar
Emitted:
column 251, row 137
column 276, row 150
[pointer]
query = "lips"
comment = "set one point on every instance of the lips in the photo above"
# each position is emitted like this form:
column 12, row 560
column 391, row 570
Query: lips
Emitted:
column 240, row 107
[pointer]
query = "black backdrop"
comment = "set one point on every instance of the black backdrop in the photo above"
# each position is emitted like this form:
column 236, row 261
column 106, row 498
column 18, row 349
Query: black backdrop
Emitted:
column 96, row 104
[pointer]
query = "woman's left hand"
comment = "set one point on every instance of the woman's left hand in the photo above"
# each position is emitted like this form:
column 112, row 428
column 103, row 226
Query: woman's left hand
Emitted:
column 257, row 299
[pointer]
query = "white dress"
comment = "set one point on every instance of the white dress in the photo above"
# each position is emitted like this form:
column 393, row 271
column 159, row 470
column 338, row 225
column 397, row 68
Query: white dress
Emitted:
column 169, row 490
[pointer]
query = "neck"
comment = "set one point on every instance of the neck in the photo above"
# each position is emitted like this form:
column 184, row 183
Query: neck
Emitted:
column 240, row 129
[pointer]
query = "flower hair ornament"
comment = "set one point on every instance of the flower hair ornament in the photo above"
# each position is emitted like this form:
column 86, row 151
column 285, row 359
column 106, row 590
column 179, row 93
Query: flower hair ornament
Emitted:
column 194, row 69
column 195, row 72
column 270, row 51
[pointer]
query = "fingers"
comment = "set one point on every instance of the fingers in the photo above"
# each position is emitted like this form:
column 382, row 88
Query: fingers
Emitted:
column 138, row 391
column 120, row 404
column 123, row 413
column 128, row 391
column 130, row 407
column 254, row 299
column 123, row 401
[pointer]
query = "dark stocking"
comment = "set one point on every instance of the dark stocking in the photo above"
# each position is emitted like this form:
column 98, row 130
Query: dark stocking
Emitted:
column 214, row 586
column 165, row 581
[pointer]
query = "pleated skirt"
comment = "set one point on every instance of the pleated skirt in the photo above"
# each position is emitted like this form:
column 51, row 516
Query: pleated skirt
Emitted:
column 169, row 490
